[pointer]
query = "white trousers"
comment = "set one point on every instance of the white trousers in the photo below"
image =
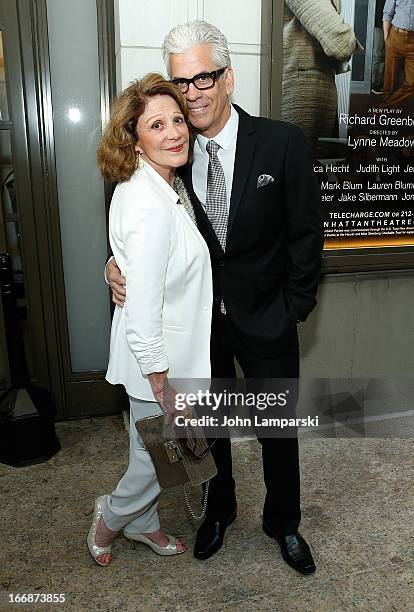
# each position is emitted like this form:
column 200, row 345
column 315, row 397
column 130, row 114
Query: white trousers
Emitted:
column 134, row 503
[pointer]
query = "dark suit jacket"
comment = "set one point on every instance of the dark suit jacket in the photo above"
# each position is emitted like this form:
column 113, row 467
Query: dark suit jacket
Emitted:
column 269, row 274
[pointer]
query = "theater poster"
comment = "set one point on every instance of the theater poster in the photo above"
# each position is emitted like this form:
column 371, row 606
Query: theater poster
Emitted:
column 351, row 89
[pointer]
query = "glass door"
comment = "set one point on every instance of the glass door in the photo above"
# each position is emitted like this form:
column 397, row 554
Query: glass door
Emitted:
column 6, row 173
column 14, row 179
column 59, row 77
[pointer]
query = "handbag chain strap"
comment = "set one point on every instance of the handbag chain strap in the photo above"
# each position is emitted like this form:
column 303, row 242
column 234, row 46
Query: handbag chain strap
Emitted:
column 195, row 516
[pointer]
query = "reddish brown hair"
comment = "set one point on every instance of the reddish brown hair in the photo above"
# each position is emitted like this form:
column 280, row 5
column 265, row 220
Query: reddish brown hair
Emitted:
column 116, row 152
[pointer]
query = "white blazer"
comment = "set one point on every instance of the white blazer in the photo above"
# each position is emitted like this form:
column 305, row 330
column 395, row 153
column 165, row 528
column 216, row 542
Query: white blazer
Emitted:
column 165, row 323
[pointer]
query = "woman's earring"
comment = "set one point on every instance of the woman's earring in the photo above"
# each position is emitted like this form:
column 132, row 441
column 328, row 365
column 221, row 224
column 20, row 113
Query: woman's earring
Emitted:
column 139, row 164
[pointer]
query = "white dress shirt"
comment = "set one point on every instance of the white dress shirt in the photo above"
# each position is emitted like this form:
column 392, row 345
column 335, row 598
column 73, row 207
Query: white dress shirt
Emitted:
column 400, row 13
column 227, row 139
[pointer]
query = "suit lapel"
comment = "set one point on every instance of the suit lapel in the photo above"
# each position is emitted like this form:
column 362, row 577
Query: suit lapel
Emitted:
column 245, row 146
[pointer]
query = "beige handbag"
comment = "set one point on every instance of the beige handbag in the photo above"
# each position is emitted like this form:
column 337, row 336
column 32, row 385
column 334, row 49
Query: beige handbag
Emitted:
column 177, row 459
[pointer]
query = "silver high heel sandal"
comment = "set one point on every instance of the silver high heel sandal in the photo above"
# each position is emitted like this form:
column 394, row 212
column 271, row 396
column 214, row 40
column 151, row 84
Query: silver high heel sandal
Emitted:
column 165, row 551
column 95, row 550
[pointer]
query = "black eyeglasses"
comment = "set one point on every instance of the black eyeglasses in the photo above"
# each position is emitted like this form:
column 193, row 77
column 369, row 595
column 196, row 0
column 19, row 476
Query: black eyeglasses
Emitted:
column 204, row 80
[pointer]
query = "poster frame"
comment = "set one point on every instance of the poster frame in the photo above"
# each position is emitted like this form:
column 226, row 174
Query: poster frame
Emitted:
column 335, row 261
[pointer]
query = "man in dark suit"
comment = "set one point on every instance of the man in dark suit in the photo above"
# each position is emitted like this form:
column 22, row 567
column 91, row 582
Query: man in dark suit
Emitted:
column 257, row 205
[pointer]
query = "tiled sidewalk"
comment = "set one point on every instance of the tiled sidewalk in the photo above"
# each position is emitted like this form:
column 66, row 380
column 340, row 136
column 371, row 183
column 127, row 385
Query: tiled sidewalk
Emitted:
column 358, row 516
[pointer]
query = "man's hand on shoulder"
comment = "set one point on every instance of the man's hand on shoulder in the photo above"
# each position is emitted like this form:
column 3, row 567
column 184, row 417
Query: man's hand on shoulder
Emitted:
column 117, row 282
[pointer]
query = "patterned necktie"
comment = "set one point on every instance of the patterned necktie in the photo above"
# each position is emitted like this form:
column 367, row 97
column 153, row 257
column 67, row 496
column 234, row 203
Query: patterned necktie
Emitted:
column 216, row 198
column 184, row 198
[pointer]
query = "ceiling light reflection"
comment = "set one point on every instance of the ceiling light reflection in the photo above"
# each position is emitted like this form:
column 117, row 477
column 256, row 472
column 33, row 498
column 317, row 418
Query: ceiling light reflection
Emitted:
column 74, row 115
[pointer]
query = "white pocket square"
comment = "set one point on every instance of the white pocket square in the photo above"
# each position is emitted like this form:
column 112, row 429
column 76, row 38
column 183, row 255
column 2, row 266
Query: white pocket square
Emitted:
column 264, row 179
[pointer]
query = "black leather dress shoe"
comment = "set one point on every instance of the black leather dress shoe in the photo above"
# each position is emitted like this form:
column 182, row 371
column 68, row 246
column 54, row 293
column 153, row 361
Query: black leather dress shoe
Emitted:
column 210, row 536
column 295, row 551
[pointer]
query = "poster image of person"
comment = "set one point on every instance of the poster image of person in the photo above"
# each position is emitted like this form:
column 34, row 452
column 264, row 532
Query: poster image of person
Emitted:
column 398, row 26
column 317, row 45
column 363, row 148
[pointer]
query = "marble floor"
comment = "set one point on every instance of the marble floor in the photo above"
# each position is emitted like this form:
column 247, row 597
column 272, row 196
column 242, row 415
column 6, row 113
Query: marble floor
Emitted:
column 358, row 516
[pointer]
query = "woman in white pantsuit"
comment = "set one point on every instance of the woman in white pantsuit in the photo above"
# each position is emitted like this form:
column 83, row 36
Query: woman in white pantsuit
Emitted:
column 165, row 325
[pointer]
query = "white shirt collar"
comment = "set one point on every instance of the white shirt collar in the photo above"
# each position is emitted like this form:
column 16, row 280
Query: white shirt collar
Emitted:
column 227, row 135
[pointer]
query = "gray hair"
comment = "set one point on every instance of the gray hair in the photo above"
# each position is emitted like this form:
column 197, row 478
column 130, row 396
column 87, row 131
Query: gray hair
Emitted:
column 185, row 36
